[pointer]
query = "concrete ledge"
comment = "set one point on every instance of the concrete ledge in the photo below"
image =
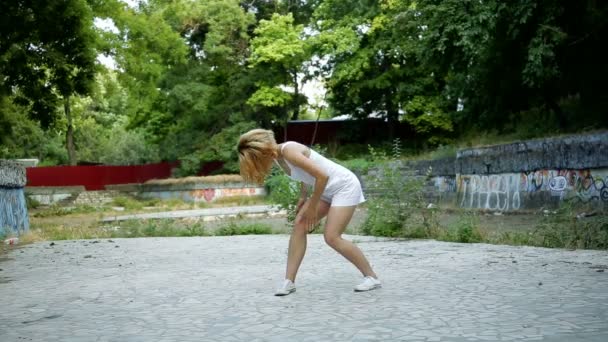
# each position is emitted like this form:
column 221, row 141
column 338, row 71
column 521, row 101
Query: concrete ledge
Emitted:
column 248, row 210
column 48, row 195
column 51, row 190
column 585, row 151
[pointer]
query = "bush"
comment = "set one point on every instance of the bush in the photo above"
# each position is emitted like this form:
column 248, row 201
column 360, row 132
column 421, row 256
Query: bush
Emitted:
column 566, row 229
column 358, row 166
column 248, row 229
column 395, row 199
column 158, row 228
column 31, row 203
column 466, row 230
column 283, row 191
column 56, row 210
column 127, row 203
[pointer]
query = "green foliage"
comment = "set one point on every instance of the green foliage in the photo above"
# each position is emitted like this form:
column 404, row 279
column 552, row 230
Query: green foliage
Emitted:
column 157, row 228
column 566, row 229
column 47, row 52
column 219, row 147
column 279, row 50
column 465, row 230
column 57, row 210
column 127, row 203
column 190, row 75
column 31, row 203
column 283, row 191
column 428, row 119
column 395, row 198
column 358, row 166
column 269, row 97
column 240, row 229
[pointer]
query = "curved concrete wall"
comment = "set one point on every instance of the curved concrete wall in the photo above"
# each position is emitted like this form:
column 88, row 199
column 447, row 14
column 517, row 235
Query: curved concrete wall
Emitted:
column 523, row 175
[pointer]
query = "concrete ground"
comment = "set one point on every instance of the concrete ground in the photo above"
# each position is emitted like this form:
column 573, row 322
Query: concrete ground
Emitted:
column 221, row 289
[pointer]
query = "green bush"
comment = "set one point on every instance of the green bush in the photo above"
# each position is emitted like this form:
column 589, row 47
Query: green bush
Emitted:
column 31, row 203
column 56, row 210
column 566, row 229
column 358, row 166
column 465, row 230
column 284, row 192
column 127, row 203
column 248, row 229
column 158, row 228
column 395, row 199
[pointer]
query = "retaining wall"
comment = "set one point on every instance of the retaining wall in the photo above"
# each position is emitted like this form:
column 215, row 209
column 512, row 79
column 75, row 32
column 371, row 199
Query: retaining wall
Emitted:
column 191, row 192
column 533, row 174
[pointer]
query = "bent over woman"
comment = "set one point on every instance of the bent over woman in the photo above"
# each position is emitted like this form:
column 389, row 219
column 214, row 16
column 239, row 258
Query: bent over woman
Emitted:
column 336, row 194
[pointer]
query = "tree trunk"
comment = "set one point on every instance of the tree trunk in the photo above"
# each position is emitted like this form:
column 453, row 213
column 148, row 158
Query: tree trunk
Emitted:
column 314, row 133
column 296, row 97
column 559, row 113
column 69, row 138
column 392, row 116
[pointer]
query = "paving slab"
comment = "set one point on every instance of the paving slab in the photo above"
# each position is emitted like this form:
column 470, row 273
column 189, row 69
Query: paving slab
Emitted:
column 221, row 289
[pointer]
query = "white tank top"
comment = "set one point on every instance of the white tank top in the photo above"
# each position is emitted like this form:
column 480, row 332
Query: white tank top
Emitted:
column 339, row 176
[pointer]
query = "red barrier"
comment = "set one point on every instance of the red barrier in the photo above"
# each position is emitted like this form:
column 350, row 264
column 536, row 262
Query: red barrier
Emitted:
column 96, row 177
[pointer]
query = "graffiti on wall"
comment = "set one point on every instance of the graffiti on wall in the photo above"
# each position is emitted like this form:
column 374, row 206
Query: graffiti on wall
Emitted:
column 209, row 195
column 493, row 192
column 587, row 185
column 508, row 191
column 444, row 183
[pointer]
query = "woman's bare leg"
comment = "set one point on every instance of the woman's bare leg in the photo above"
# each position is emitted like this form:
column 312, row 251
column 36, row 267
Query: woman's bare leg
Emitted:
column 297, row 243
column 337, row 221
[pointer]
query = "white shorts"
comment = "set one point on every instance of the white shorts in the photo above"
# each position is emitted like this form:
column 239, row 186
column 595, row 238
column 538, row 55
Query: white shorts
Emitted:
column 348, row 195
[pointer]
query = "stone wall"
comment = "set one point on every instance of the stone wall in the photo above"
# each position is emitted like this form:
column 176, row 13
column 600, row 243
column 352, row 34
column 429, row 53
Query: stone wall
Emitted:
column 13, row 208
column 532, row 174
column 191, row 192
column 54, row 194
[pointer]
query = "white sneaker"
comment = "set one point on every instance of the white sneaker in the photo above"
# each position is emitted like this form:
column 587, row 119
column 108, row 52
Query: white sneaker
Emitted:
column 369, row 283
column 285, row 289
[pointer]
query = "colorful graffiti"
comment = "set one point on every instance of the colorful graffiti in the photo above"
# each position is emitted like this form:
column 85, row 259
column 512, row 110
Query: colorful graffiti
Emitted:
column 508, row 191
column 587, row 185
column 209, row 195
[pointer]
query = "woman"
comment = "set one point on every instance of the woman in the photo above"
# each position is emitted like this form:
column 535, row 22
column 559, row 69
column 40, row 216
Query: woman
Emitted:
column 336, row 194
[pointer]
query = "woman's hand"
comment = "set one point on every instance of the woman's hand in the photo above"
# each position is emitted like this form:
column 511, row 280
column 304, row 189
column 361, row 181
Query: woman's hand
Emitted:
column 308, row 215
column 300, row 204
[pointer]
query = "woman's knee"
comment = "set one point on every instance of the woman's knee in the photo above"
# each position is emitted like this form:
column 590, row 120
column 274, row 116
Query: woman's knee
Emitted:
column 332, row 239
column 300, row 228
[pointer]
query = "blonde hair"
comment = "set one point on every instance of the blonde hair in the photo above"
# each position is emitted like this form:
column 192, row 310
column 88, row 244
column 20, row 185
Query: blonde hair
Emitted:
column 257, row 150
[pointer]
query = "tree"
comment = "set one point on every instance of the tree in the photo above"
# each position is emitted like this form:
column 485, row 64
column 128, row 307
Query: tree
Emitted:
column 375, row 65
column 528, row 57
column 47, row 54
column 280, row 49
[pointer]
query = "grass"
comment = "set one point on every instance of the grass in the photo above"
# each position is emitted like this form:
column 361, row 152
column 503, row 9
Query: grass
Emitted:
column 55, row 211
column 139, row 228
column 562, row 229
column 559, row 229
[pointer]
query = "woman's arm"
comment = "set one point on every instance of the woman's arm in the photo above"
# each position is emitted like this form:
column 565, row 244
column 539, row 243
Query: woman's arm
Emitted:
column 303, row 195
column 294, row 153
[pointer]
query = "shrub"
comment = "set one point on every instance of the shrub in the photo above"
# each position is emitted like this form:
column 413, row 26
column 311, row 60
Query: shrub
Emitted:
column 396, row 199
column 566, row 229
column 248, row 229
column 283, row 191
